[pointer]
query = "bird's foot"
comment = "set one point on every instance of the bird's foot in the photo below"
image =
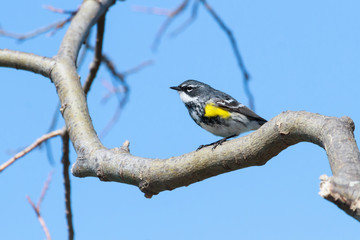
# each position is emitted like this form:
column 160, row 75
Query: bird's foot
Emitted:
column 215, row 144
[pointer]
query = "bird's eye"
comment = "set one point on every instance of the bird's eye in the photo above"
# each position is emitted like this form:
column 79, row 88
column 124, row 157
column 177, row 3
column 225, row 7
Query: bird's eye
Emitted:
column 188, row 88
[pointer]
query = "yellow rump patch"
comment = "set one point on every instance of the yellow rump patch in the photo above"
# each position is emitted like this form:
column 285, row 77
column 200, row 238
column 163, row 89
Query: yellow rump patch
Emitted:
column 213, row 111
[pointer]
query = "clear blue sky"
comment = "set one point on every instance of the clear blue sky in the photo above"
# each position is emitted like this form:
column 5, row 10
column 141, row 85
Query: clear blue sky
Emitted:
column 302, row 55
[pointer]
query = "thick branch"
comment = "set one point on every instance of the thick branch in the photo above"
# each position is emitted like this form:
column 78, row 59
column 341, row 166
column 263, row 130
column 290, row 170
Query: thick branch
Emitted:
column 155, row 175
column 26, row 61
column 66, row 79
column 86, row 17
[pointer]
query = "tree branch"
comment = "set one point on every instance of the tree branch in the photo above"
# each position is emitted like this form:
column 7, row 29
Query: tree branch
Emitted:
column 167, row 23
column 235, row 50
column 94, row 67
column 65, row 77
column 37, row 208
column 26, row 61
column 40, row 219
column 190, row 20
column 155, row 175
column 30, row 148
column 21, row 37
column 123, row 89
column 88, row 14
column 66, row 163
column 44, row 190
column 54, row 26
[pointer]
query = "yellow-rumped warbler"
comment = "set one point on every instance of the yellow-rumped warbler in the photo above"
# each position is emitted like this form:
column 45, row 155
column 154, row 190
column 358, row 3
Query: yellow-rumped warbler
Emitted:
column 217, row 112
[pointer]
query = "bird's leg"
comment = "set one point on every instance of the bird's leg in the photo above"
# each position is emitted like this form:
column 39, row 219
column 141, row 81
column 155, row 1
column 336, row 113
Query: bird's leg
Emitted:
column 217, row 143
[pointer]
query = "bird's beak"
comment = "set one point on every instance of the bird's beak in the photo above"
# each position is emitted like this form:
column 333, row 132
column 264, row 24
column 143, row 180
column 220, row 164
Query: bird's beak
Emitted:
column 176, row 88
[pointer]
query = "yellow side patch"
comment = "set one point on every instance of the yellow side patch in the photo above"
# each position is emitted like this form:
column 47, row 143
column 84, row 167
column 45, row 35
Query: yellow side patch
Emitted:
column 213, row 111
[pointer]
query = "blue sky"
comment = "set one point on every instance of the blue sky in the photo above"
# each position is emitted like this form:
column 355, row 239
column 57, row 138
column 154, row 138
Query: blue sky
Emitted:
column 301, row 55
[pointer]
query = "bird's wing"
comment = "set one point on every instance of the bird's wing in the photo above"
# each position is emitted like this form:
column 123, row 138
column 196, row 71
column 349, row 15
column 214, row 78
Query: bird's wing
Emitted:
column 232, row 105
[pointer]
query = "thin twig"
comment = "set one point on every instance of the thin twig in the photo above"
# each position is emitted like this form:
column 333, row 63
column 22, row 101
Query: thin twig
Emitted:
column 152, row 10
column 235, row 49
column 97, row 55
column 231, row 37
column 113, row 120
column 83, row 53
column 60, row 10
column 123, row 89
column 41, row 220
column 53, row 26
column 30, row 148
column 66, row 164
column 111, row 91
column 122, row 99
column 109, row 64
column 45, row 188
column 37, row 208
column 167, row 23
column 51, row 128
column 139, row 67
column 189, row 21
column 122, row 94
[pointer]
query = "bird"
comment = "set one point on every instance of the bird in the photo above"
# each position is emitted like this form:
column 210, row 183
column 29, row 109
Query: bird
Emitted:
column 216, row 111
